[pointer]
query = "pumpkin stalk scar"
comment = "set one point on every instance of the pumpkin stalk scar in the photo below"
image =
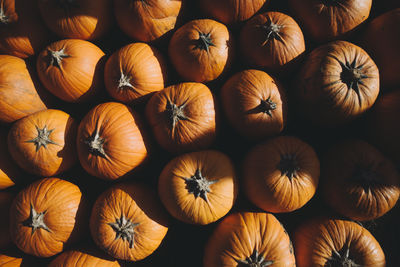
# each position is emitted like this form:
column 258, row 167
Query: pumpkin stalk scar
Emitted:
column 124, row 229
column 272, row 31
column 124, row 82
column 267, row 106
column 36, row 220
column 42, row 138
column 56, row 57
column 352, row 75
column 3, row 18
column 198, row 185
column 288, row 166
column 95, row 144
column 255, row 260
column 338, row 260
column 175, row 113
column 204, row 42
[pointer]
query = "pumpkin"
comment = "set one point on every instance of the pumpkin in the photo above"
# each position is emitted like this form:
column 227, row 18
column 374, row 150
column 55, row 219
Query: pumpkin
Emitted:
column 44, row 143
column 183, row 117
column 85, row 19
column 254, row 104
column 334, row 242
column 153, row 19
column 6, row 199
column 110, row 141
column 325, row 20
column 10, row 174
column 201, row 50
column 281, row 175
column 338, row 83
column 249, row 239
column 82, row 258
column 358, row 181
column 271, row 40
column 134, row 72
column 11, row 260
column 128, row 222
column 198, row 187
column 71, row 69
column 46, row 216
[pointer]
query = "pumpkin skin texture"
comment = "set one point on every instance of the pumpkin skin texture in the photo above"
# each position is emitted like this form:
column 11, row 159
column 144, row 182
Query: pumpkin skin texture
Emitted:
column 44, row 143
column 183, row 117
column 134, row 72
column 255, row 104
column 128, row 222
column 358, row 181
column 325, row 20
column 110, row 141
column 271, row 40
column 10, row 261
column 6, row 199
column 83, row 258
column 249, row 239
column 46, row 215
column 153, row 18
column 71, row 69
column 201, row 50
column 338, row 83
column 198, row 187
column 325, row 242
column 10, row 174
column 281, row 175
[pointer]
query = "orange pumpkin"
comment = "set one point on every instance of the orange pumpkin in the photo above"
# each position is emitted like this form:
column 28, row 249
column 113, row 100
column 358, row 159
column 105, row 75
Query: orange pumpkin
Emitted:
column 6, row 199
column 110, row 141
column 82, row 258
column 44, row 143
column 249, row 239
column 128, row 222
column 281, row 175
column 71, row 69
column 198, row 187
column 134, row 72
column 11, row 260
column 10, row 174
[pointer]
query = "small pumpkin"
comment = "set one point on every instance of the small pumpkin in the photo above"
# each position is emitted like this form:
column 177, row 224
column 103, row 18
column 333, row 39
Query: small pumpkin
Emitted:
column 334, row 242
column 6, row 199
column 128, row 222
column 10, row 174
column 110, row 141
column 281, row 175
column 83, row 257
column 71, row 69
column 44, row 143
column 134, row 72
column 183, row 117
column 249, row 239
column 201, row 50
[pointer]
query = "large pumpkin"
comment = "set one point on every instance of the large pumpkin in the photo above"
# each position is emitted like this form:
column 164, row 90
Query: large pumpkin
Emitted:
column 249, row 239
column 110, row 141
column 71, row 69
column 10, row 174
column 47, row 215
column 198, row 187
column 338, row 83
column 201, row 50
column 358, row 181
column 281, row 175
column 6, row 199
column 44, row 143
column 82, row 258
column 255, row 104
column 183, row 117
column 332, row 242
column 128, row 222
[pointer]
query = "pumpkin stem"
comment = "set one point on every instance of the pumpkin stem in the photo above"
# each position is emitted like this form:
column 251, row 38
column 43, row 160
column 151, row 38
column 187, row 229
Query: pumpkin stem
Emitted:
column 352, row 75
column 267, row 106
column 255, row 260
column 124, row 81
column 124, row 229
column 42, row 138
column 56, row 57
column 3, row 17
column 338, row 260
column 288, row 165
column 198, row 185
column 95, row 143
column 204, row 41
column 36, row 220
column 175, row 113
column 272, row 31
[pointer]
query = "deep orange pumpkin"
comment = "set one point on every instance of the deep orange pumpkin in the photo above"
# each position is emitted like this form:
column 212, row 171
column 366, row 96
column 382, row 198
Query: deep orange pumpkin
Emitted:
column 10, row 174
column 11, row 260
column 82, row 258
column 6, row 199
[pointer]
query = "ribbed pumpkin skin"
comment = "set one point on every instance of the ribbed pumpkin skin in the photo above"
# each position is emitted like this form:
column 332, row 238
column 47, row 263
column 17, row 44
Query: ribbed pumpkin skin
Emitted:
column 59, row 153
column 10, row 174
column 78, row 77
column 245, row 100
column 124, row 148
column 269, row 180
column 138, row 204
column 83, row 258
column 64, row 210
column 6, row 199
column 135, row 71
column 318, row 239
column 10, row 261
column 152, row 18
column 358, row 181
column 239, row 235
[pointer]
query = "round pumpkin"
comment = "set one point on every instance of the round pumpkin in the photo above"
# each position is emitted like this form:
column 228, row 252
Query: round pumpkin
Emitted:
column 82, row 258
column 44, row 143
column 110, row 142
column 201, row 50
column 332, row 242
column 198, row 187
column 128, row 222
column 281, row 175
column 71, row 69
column 47, row 215
column 254, row 104
column 271, row 40
column 134, row 72
column 183, row 117
column 6, row 199
column 11, row 260
column 338, row 83
column 358, row 181
column 249, row 239
column 83, row 19
column 10, row 174
column 152, row 19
